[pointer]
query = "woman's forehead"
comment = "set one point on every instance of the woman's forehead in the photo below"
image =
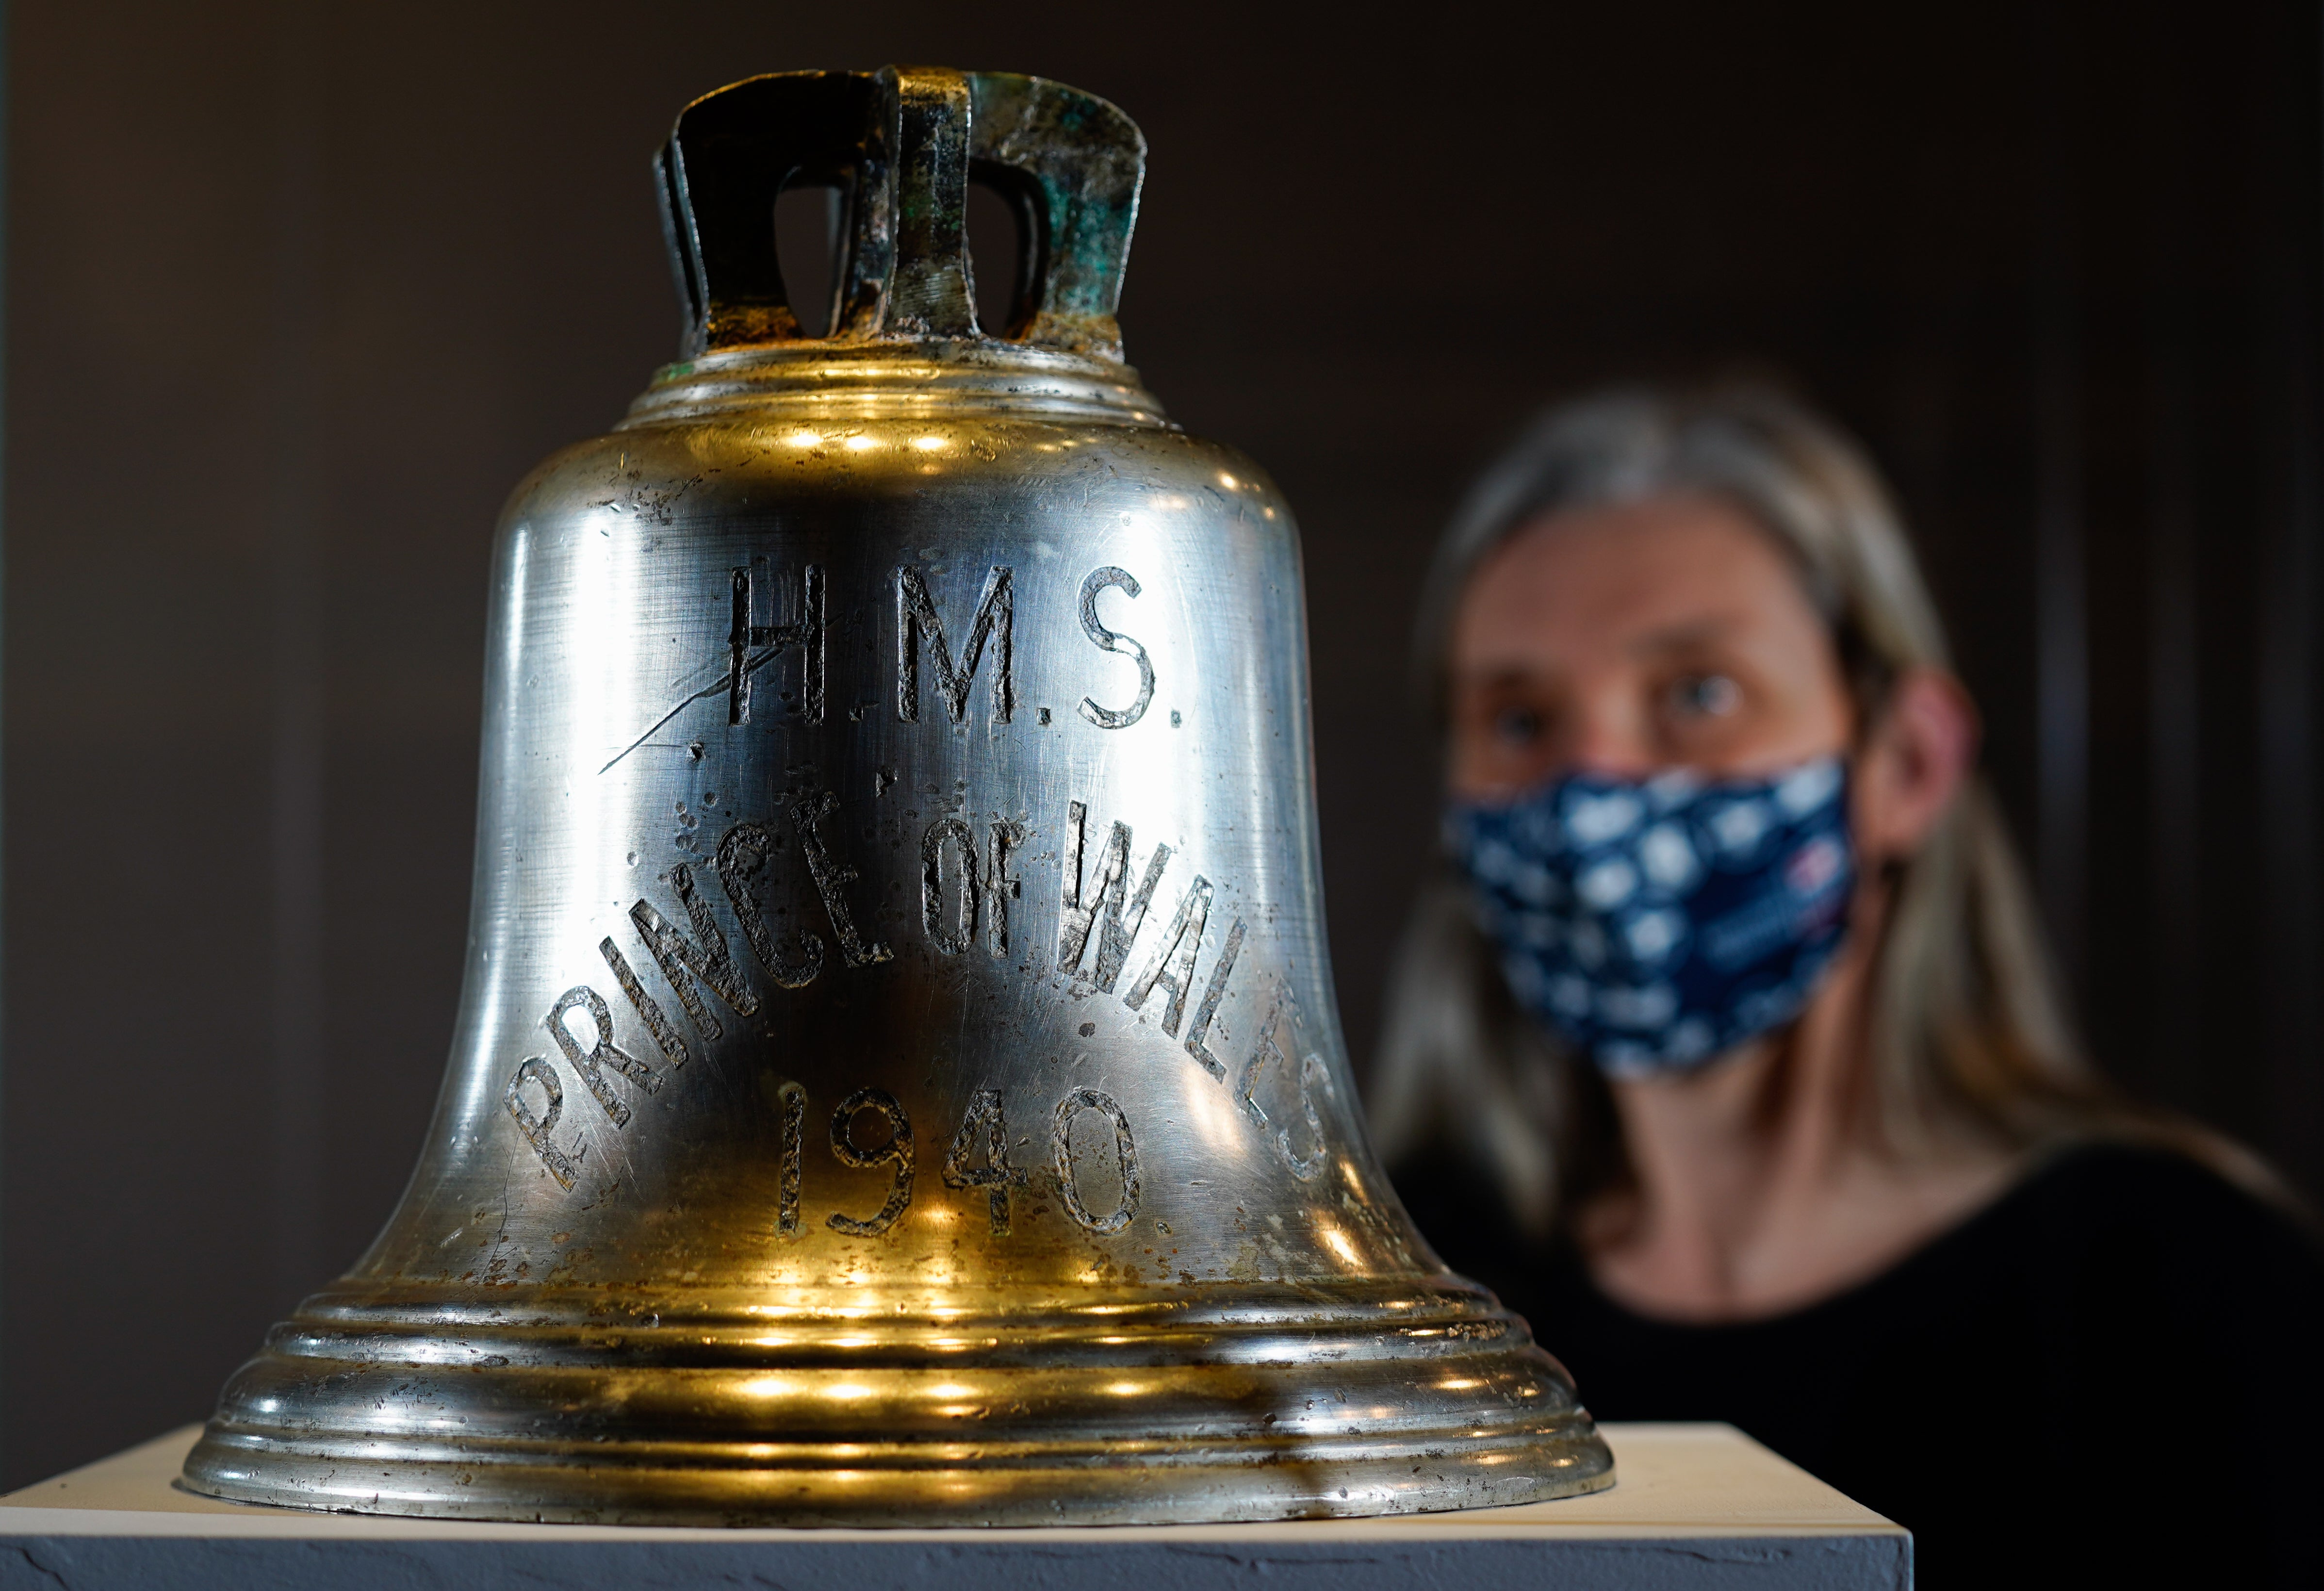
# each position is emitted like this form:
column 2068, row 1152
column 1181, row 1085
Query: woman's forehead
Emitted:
column 1591, row 585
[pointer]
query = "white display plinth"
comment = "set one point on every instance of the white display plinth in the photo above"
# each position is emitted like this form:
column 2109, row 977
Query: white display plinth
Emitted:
column 1694, row 1506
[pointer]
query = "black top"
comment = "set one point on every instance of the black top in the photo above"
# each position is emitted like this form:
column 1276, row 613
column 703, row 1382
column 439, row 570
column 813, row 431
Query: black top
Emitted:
column 2114, row 1374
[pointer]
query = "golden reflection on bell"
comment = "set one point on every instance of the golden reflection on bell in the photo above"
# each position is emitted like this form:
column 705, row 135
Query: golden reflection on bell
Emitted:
column 897, row 1079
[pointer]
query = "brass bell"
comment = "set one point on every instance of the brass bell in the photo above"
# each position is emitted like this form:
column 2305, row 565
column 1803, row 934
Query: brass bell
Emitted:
column 897, row 1079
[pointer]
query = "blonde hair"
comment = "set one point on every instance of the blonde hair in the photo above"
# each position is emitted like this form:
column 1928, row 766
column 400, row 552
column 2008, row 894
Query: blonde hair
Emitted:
column 1968, row 1031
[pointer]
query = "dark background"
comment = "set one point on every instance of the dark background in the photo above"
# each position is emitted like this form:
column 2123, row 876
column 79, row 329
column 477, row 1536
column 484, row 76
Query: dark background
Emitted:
column 297, row 292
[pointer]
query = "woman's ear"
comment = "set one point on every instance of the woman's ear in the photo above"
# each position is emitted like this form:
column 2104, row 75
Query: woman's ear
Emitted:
column 1916, row 757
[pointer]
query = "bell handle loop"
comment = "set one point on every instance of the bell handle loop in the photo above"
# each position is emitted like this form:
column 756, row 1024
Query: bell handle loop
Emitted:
column 933, row 292
column 902, row 144
column 1076, row 165
column 730, row 154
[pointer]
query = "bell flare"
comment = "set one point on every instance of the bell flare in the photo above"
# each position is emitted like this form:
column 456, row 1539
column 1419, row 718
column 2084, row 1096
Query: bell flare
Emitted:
column 850, row 1408
column 898, row 1078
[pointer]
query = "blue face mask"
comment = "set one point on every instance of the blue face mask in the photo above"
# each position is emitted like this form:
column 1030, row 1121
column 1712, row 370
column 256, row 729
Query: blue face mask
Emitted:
column 1656, row 924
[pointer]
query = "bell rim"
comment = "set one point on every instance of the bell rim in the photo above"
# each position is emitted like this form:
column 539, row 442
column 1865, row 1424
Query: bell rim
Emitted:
column 1108, row 1482
column 1269, row 1403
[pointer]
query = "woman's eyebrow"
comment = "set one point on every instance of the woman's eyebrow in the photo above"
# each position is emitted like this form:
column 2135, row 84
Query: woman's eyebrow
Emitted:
column 1693, row 635
column 1499, row 676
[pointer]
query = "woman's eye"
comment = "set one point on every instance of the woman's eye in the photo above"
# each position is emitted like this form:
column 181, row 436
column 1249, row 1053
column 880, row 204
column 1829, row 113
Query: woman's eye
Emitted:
column 1706, row 696
column 1517, row 726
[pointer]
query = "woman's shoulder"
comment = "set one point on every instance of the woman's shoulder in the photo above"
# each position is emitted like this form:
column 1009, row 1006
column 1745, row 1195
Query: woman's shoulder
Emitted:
column 2136, row 1214
column 2108, row 1182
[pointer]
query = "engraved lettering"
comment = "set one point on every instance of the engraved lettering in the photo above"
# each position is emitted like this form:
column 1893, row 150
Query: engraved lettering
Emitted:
column 1125, row 1152
column 1000, row 886
column 1073, row 919
column 949, row 831
column 1114, row 641
column 1123, row 910
column 535, row 1068
column 1119, row 929
column 916, row 612
column 746, row 633
column 996, row 1176
column 741, row 634
column 734, row 683
column 682, row 960
column 1314, row 1077
column 1212, row 993
column 793, row 1100
column 742, row 856
column 1312, row 1072
column 1173, row 966
column 591, row 1062
column 897, row 1150
column 650, row 1011
column 831, row 876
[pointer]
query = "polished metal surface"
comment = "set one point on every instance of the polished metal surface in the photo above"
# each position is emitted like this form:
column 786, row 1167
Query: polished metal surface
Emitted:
column 897, row 1079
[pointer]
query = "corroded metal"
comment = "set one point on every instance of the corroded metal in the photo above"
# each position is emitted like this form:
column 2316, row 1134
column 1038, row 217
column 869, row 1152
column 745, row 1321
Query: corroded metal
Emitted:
column 897, row 1079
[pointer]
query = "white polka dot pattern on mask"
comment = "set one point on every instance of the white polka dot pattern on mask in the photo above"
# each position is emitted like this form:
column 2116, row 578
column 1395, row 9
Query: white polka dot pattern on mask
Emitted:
column 1657, row 924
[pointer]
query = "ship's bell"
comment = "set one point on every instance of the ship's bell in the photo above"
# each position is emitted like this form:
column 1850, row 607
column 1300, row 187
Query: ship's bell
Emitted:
column 897, row 1079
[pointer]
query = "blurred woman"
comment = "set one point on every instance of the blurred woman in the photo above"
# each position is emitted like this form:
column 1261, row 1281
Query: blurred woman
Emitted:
column 1728, row 1051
